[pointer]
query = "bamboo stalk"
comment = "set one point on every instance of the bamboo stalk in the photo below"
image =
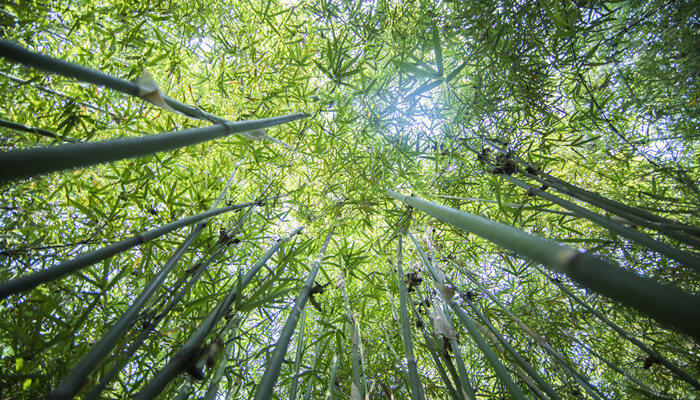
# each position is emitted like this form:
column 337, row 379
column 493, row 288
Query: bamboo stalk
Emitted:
column 317, row 356
column 433, row 349
column 413, row 377
column 30, row 129
column 184, row 357
column 87, row 259
column 264, row 389
column 20, row 55
column 231, row 327
column 357, row 388
column 682, row 257
column 171, row 302
column 298, row 357
column 666, row 304
column 628, row 336
column 17, row 164
column 330, row 392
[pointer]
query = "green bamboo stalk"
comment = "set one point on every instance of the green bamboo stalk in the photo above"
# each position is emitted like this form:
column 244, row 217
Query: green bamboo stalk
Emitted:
column 17, row 164
column 357, row 389
column 511, row 205
column 317, row 356
column 638, row 216
column 30, row 129
column 20, row 55
column 557, row 358
column 667, row 304
column 642, row 239
column 298, row 357
column 470, row 325
column 231, row 327
column 519, row 359
column 184, row 357
column 264, row 389
column 87, row 259
column 413, row 377
column 460, row 374
column 330, row 392
column 626, row 335
column 433, row 349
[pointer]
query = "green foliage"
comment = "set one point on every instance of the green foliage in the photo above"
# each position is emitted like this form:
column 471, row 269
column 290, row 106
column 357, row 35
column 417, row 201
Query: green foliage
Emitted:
column 603, row 95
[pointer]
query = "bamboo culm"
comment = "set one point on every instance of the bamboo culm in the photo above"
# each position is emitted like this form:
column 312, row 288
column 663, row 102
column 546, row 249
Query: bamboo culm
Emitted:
column 230, row 328
column 184, row 357
column 298, row 357
column 667, row 304
column 17, row 164
column 267, row 383
column 87, row 259
column 682, row 257
column 413, row 377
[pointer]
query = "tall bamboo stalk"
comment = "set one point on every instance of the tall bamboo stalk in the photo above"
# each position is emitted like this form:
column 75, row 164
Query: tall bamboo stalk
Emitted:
column 625, row 334
column 298, row 357
column 471, row 328
column 330, row 392
column 187, row 355
column 357, row 388
column 413, row 377
column 667, row 304
column 317, row 356
column 17, row 164
column 264, row 389
column 87, row 259
column 642, row 239
column 230, row 328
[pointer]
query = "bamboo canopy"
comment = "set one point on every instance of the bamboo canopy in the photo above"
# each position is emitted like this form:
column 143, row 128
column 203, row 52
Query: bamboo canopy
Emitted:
column 349, row 200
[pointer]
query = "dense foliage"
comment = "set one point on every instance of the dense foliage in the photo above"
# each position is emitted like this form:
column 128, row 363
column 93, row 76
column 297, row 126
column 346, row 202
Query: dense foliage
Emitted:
column 413, row 96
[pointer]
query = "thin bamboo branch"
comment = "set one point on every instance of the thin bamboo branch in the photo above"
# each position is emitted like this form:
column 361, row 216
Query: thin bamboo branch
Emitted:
column 43, row 132
column 17, row 164
column 267, row 383
column 667, row 304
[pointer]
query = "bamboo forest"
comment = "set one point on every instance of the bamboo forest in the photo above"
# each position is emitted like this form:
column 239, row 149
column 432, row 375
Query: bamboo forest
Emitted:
column 349, row 199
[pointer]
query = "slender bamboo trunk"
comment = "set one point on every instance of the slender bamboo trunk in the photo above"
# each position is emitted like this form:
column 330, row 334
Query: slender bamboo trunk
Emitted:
column 30, row 129
column 267, row 383
column 87, row 259
column 298, row 357
column 230, row 328
column 681, row 256
column 668, row 305
column 357, row 388
column 330, row 392
column 317, row 356
column 17, row 164
column 191, row 352
column 413, row 377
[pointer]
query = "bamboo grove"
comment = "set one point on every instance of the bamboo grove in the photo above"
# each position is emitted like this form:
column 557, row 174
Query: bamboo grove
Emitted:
column 349, row 200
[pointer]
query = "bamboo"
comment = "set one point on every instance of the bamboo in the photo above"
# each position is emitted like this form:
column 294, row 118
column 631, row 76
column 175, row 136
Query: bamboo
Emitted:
column 160, row 315
column 298, row 357
column 77, row 377
column 628, row 336
column 264, row 389
column 184, row 357
column 413, row 377
column 20, row 55
column 330, row 392
column 357, row 388
column 231, row 327
column 667, row 304
column 642, row 239
column 24, row 128
column 17, row 164
column 317, row 356
column 87, row 259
